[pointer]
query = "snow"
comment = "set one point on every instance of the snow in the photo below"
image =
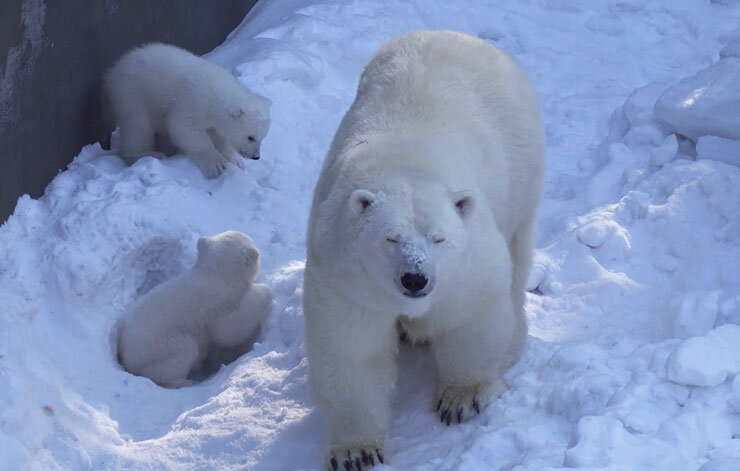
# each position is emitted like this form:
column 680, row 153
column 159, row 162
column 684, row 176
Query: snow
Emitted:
column 632, row 362
column 718, row 148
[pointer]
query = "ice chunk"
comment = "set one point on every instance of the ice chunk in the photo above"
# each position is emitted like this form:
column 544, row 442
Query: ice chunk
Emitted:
column 707, row 360
column 706, row 104
column 718, row 148
column 639, row 105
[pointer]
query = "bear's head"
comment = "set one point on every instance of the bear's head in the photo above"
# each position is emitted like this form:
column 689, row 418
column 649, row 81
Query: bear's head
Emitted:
column 246, row 124
column 409, row 236
column 231, row 254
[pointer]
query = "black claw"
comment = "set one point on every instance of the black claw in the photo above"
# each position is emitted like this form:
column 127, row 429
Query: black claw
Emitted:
column 404, row 337
column 348, row 465
column 333, row 463
column 449, row 417
column 365, row 458
column 380, row 456
column 358, row 463
column 439, row 404
column 372, row 460
column 459, row 415
column 476, row 406
column 444, row 414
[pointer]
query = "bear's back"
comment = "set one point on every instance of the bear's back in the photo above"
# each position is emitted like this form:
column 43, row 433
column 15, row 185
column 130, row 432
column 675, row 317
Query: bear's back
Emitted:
column 158, row 74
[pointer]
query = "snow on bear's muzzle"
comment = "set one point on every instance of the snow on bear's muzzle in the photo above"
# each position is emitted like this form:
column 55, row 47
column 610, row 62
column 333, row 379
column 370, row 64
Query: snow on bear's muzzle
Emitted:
column 414, row 279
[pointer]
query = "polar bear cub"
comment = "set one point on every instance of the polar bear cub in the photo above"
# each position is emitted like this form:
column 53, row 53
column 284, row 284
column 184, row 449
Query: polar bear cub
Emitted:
column 168, row 332
column 423, row 215
column 195, row 105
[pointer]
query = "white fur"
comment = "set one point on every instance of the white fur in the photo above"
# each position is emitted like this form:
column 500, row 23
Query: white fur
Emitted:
column 437, row 170
column 196, row 105
column 168, row 331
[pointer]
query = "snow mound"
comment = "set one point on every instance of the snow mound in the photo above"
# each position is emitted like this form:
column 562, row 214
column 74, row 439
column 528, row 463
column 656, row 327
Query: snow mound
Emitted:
column 706, row 104
column 707, row 360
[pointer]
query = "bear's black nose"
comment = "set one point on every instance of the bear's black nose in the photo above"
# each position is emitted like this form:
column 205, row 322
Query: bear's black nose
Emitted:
column 255, row 157
column 414, row 282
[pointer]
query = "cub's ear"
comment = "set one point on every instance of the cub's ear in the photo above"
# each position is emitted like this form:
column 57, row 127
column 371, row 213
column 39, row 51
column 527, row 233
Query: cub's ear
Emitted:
column 360, row 200
column 236, row 112
column 464, row 202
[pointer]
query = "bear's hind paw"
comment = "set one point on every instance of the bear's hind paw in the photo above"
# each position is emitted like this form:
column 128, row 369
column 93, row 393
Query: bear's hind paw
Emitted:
column 354, row 458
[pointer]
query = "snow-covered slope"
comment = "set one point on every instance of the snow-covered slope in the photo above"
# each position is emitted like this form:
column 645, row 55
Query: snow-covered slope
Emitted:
column 633, row 361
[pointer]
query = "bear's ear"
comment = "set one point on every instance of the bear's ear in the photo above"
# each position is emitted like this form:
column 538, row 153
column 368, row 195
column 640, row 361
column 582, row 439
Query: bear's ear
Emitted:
column 464, row 202
column 236, row 112
column 360, row 200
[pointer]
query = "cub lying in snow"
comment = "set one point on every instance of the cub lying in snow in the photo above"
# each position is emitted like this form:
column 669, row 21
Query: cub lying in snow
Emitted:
column 168, row 332
column 196, row 105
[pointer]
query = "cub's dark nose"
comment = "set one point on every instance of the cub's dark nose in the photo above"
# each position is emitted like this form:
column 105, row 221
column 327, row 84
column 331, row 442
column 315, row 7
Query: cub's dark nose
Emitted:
column 413, row 282
column 255, row 157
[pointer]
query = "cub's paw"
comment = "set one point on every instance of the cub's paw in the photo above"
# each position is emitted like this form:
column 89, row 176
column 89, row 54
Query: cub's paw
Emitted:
column 237, row 160
column 460, row 403
column 212, row 166
column 354, row 459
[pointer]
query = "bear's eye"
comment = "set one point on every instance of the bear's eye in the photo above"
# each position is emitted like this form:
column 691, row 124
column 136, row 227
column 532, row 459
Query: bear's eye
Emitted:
column 251, row 138
column 392, row 240
column 438, row 240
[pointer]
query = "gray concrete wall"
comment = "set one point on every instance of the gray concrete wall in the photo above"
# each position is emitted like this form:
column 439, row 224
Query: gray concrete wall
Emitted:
column 53, row 54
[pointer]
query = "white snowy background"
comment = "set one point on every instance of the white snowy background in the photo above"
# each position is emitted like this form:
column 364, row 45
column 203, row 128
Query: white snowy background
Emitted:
column 633, row 361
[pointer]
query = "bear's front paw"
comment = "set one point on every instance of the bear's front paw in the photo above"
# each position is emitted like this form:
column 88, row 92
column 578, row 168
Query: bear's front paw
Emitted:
column 158, row 155
column 213, row 166
column 354, row 458
column 409, row 336
column 238, row 160
column 460, row 403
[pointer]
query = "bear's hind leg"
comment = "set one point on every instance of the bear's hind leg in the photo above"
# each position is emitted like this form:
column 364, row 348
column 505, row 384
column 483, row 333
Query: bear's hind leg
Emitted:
column 137, row 139
column 179, row 355
column 520, row 251
column 233, row 328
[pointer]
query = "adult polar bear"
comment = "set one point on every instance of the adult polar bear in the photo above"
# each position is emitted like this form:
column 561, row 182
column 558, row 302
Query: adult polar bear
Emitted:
column 424, row 213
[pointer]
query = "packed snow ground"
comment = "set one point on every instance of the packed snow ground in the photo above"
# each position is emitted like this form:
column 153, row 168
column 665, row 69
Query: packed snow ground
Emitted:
column 634, row 357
